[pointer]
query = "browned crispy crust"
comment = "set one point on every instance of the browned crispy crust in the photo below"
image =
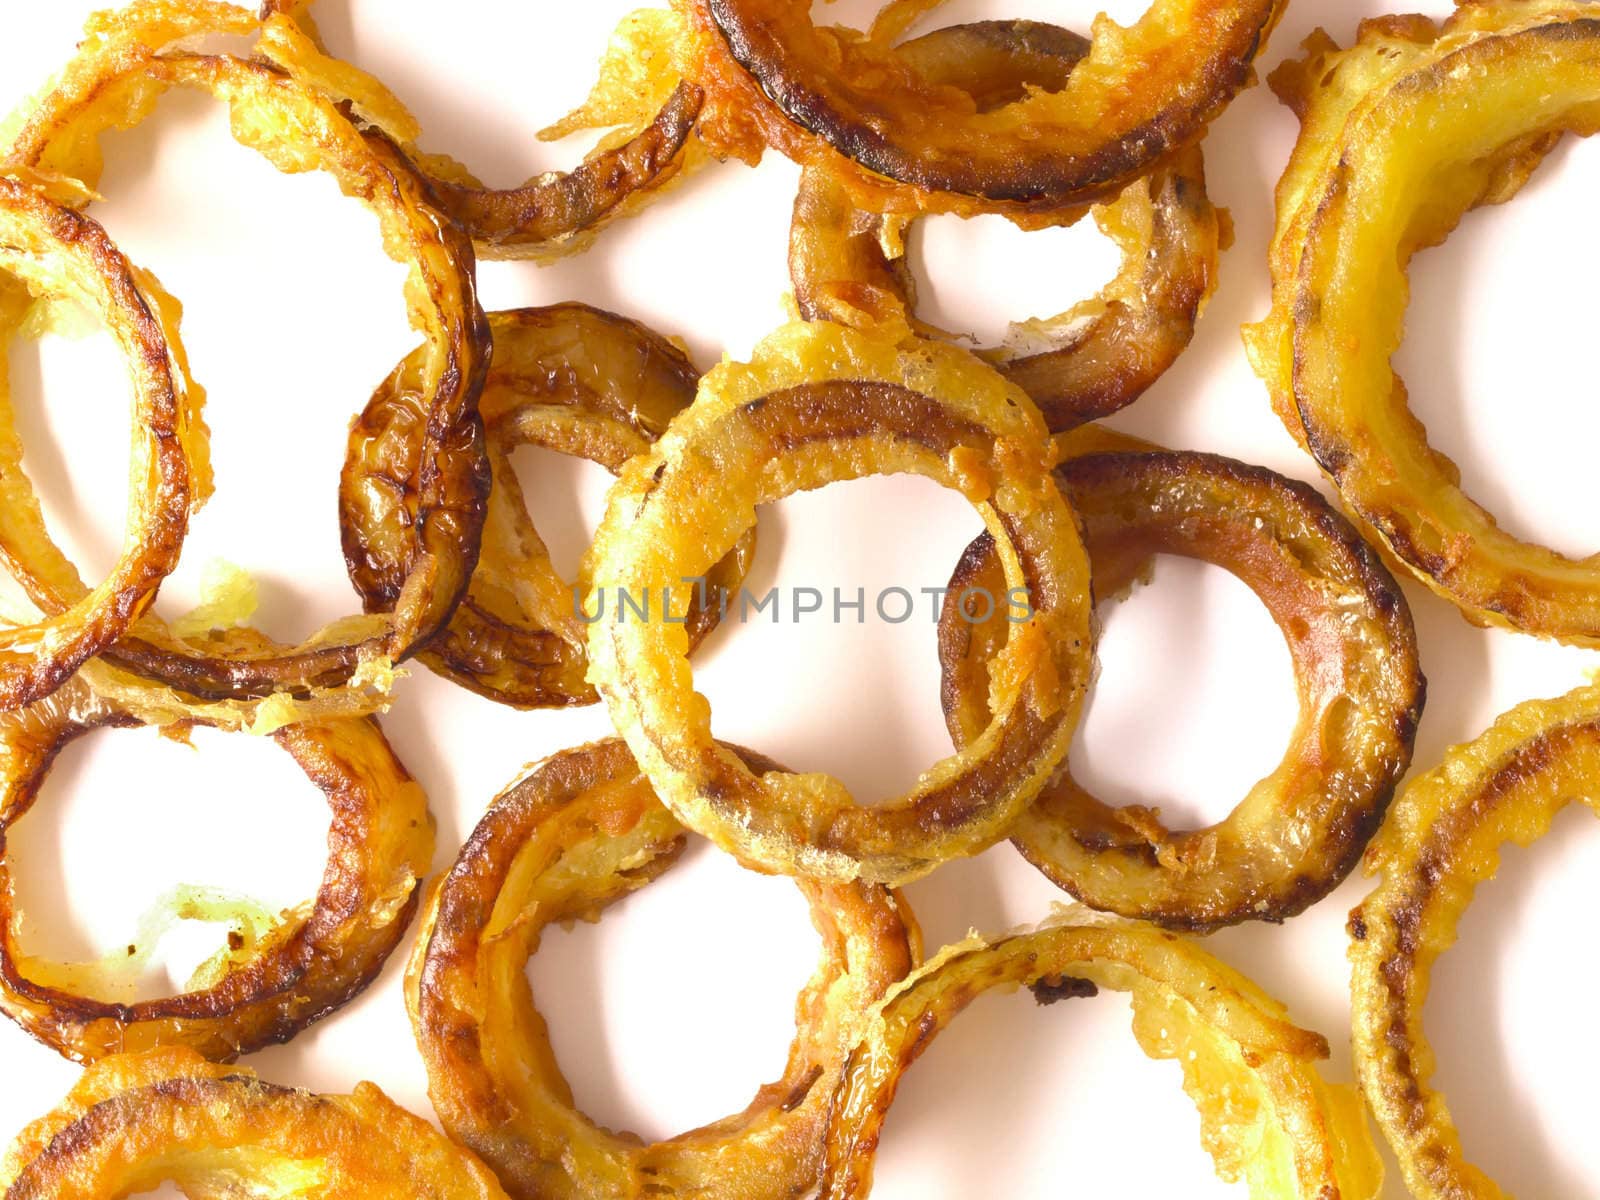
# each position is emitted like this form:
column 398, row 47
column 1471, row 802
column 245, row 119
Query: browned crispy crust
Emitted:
column 553, row 211
column 820, row 403
column 581, row 830
column 848, row 264
column 1300, row 831
column 569, row 378
column 914, row 145
column 52, row 253
column 380, row 844
column 135, row 1121
column 422, row 527
column 1442, row 840
column 1266, row 1113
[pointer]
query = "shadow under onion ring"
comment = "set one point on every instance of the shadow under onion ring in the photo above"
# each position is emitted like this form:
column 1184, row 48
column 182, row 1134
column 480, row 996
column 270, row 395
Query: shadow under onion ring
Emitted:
column 136, row 1121
column 315, row 959
column 569, row 378
column 577, row 833
column 422, row 529
column 849, row 265
column 820, row 404
column 1300, row 831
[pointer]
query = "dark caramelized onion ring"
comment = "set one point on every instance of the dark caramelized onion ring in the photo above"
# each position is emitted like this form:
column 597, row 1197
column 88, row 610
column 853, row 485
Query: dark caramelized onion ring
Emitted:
column 580, row 831
column 317, row 958
column 1300, row 831
column 568, row 378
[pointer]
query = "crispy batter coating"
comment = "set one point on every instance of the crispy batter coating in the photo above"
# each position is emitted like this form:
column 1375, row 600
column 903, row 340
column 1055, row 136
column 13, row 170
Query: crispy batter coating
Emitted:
column 1299, row 832
column 275, row 981
column 569, row 378
column 580, row 831
column 1442, row 840
column 50, row 254
column 903, row 142
column 849, row 265
column 1401, row 135
column 424, row 525
column 819, row 404
column 136, row 1121
column 649, row 109
column 1267, row 1116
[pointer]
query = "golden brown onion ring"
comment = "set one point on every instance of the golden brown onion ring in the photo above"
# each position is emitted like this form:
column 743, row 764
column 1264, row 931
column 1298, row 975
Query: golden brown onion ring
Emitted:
column 315, row 959
column 50, row 254
column 819, row 404
column 1401, row 135
column 905, row 143
column 136, row 1121
column 424, row 525
column 569, row 378
column 551, row 214
column 580, row 831
column 1442, row 840
column 849, row 265
column 1267, row 1115
column 1299, row 832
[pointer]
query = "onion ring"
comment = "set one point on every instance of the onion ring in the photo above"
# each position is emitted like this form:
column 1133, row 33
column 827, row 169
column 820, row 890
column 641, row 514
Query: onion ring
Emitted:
column 555, row 213
column 433, row 518
column 49, row 253
column 580, row 831
column 819, row 404
column 1300, row 831
column 904, row 143
column 136, row 1121
column 1266, row 1113
column 1397, row 143
column 312, row 961
column 568, row 378
column 1441, row 841
column 848, row 265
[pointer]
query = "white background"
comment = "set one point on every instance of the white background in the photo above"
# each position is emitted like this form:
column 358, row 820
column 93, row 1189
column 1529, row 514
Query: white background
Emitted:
column 672, row 1010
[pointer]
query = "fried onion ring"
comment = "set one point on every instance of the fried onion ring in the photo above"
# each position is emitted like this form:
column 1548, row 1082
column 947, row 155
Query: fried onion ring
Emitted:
column 313, row 960
column 136, row 1121
column 580, row 831
column 1266, row 1113
column 906, row 143
column 569, row 378
column 1401, row 135
column 819, row 404
column 1441, row 841
column 51, row 254
column 849, row 265
column 430, row 520
column 555, row 213
column 1300, row 831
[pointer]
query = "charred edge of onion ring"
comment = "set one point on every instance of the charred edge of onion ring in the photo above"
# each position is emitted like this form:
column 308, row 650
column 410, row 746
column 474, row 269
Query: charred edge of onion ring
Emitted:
column 549, row 215
column 1441, row 841
column 849, row 265
column 819, row 403
column 52, row 253
column 1266, row 1113
column 569, row 378
column 1300, row 831
column 580, row 831
column 906, row 143
column 380, row 845
column 430, row 522
column 1396, row 145
column 135, row 1121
